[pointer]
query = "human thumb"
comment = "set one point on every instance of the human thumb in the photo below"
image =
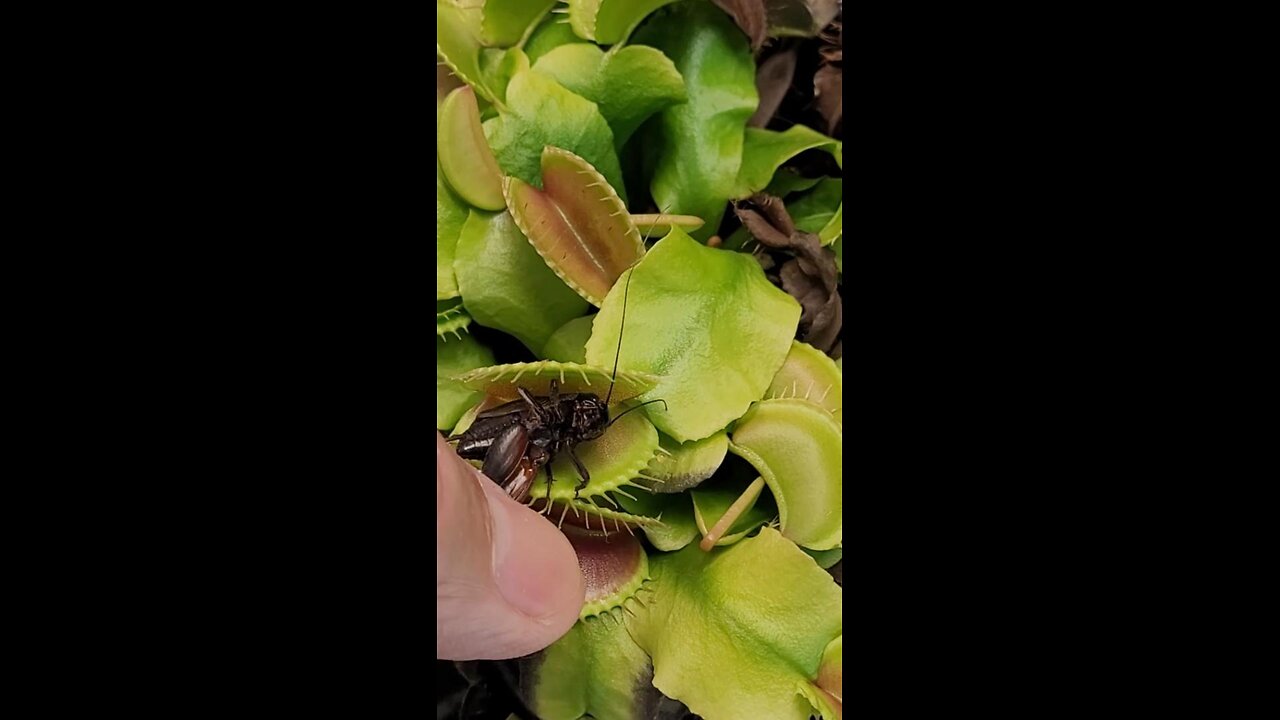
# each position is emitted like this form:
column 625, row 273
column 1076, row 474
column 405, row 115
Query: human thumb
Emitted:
column 507, row 581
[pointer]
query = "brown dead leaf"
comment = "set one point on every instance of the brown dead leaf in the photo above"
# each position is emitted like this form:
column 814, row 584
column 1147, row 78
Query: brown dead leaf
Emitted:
column 810, row 276
column 750, row 15
column 773, row 79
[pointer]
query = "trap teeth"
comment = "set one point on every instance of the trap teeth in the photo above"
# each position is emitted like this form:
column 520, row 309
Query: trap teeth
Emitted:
column 501, row 381
column 451, row 320
column 612, row 460
column 615, row 569
column 588, row 516
column 680, row 466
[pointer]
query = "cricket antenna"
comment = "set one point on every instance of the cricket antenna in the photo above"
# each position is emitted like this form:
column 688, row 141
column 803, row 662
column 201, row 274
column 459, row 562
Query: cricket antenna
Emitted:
column 647, row 402
column 617, row 353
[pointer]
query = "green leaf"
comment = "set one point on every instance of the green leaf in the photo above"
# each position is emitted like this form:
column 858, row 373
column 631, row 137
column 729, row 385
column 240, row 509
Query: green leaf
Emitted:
column 497, row 67
column 451, row 214
column 711, row 503
column 455, row 356
column 699, row 143
column 501, row 381
column 795, row 446
column 614, row 567
column 540, row 112
column 787, row 181
column 838, row 247
column 680, row 466
column 657, row 224
column 825, row 558
column 678, row 527
column 462, row 153
column 569, row 343
column 628, row 85
column 504, row 22
column 458, row 42
column 506, row 285
column 596, row 670
column 451, row 317
column 737, row 632
column 764, row 151
column 707, row 322
column 814, row 210
column 608, row 21
column 550, row 35
column 808, row 374
column 578, row 224
column 827, row 692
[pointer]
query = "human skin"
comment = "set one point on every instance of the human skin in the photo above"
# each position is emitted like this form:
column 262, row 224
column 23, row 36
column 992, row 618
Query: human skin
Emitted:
column 507, row 581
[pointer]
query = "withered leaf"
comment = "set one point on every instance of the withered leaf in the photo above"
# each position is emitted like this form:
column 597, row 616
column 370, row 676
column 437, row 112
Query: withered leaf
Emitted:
column 750, row 15
column 828, row 92
column 828, row 81
column 810, row 276
column 773, row 79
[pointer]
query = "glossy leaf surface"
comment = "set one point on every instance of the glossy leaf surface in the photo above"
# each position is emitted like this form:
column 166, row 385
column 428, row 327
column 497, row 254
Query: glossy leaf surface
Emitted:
column 577, row 223
column 678, row 527
column 608, row 21
column 541, row 112
column 506, row 285
column 809, row 374
column 596, row 670
column 504, row 22
column 628, row 85
column 795, row 446
column 458, row 43
column 680, row 466
column 463, row 153
column 569, row 343
column 737, row 632
column 708, row 323
column 699, row 143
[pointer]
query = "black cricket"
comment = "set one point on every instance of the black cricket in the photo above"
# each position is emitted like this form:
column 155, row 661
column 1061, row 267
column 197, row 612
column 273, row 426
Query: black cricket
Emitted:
column 518, row 438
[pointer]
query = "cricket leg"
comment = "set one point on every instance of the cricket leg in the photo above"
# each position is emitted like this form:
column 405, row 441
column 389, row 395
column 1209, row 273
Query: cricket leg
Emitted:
column 582, row 470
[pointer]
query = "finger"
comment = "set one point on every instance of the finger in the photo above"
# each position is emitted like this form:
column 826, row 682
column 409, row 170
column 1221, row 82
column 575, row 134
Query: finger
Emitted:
column 507, row 582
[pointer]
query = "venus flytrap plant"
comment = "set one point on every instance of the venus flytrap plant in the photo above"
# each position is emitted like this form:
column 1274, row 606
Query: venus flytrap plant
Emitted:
column 705, row 321
column 451, row 214
column 808, row 374
column 506, row 285
column 463, row 153
column 678, row 527
column 451, row 317
column 628, row 84
column 577, row 223
column 539, row 113
column 506, row 22
column 705, row 613
column 681, row 466
column 454, row 356
column 569, row 343
column 705, row 332
column 764, row 151
column 726, row 515
column 609, row 21
column 699, row 142
column 795, row 446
